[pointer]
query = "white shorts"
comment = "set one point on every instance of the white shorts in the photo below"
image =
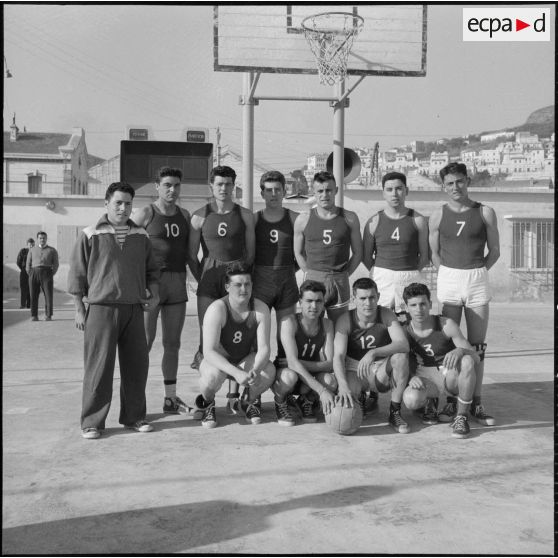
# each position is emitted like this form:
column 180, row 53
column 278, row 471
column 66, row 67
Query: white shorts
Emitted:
column 351, row 365
column 463, row 287
column 437, row 375
column 391, row 284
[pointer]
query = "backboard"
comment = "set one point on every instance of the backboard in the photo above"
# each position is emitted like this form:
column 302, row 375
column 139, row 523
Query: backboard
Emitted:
column 269, row 38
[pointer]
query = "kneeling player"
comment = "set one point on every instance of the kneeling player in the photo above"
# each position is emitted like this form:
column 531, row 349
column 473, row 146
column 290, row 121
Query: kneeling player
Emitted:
column 445, row 359
column 232, row 326
column 370, row 352
column 305, row 367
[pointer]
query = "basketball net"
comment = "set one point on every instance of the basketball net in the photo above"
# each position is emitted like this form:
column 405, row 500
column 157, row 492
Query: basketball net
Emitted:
column 330, row 36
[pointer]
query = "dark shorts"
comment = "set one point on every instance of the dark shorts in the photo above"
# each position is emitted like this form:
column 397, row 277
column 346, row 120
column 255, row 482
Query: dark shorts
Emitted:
column 212, row 280
column 172, row 287
column 338, row 290
column 276, row 286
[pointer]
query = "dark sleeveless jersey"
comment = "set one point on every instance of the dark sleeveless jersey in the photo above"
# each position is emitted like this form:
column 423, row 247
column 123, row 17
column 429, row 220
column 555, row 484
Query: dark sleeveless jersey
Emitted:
column 430, row 350
column 274, row 241
column 222, row 235
column 362, row 339
column 238, row 338
column 308, row 347
column 169, row 237
column 462, row 238
column 327, row 242
column 397, row 242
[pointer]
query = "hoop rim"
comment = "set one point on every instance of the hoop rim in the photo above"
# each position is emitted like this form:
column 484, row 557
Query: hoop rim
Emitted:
column 359, row 18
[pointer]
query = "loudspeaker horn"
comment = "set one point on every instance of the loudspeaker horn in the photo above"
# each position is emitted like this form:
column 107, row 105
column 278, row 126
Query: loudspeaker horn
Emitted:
column 351, row 164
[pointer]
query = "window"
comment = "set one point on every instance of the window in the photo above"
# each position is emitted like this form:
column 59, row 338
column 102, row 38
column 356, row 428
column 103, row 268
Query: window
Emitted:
column 533, row 245
column 34, row 184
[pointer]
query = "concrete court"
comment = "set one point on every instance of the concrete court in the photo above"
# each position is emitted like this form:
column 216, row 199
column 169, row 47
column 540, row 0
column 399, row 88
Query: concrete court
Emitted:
column 268, row 489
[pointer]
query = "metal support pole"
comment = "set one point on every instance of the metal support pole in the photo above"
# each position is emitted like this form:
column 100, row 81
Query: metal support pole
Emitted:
column 247, row 142
column 339, row 142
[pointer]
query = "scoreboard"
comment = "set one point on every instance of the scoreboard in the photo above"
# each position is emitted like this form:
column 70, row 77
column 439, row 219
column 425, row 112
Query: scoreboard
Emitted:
column 141, row 159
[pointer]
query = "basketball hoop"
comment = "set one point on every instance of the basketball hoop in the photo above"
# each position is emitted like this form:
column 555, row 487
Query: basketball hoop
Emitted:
column 330, row 36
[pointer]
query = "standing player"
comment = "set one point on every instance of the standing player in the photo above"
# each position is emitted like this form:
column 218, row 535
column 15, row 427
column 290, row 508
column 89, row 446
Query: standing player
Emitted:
column 459, row 233
column 445, row 361
column 274, row 270
column 370, row 351
column 307, row 339
column 168, row 226
column 231, row 328
column 323, row 241
column 395, row 248
column 395, row 243
column 225, row 231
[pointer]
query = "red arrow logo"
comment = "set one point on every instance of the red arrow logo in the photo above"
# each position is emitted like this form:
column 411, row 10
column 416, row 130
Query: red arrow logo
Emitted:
column 519, row 25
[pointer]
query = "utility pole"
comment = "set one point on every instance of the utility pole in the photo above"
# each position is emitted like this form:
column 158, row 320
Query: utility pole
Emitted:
column 218, row 161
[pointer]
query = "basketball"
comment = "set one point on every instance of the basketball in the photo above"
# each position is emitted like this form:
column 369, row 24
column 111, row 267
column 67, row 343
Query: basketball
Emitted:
column 344, row 420
column 414, row 399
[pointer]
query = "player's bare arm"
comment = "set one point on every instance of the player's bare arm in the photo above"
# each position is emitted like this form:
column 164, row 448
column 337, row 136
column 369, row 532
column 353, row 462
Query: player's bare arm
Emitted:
column 142, row 215
column 424, row 252
column 250, row 235
column 213, row 322
column 434, row 236
column 369, row 242
column 194, row 241
column 492, row 236
column 298, row 240
column 463, row 347
column 340, row 341
column 263, row 319
column 356, row 241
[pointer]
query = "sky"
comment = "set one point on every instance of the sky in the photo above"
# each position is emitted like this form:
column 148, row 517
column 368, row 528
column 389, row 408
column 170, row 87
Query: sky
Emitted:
column 105, row 67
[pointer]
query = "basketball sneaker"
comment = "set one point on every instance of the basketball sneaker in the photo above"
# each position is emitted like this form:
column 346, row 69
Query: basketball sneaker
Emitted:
column 306, row 409
column 253, row 413
column 430, row 413
column 477, row 413
column 90, row 433
column 460, row 427
column 175, row 406
column 209, row 419
column 283, row 414
column 233, row 404
column 140, row 426
column 199, row 408
column 397, row 422
column 447, row 414
column 198, row 357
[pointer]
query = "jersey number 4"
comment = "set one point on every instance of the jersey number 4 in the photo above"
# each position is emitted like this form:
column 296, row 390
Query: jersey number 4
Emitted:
column 395, row 234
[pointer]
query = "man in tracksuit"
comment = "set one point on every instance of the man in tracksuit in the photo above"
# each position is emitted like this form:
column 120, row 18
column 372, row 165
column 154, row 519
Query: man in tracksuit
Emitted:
column 113, row 270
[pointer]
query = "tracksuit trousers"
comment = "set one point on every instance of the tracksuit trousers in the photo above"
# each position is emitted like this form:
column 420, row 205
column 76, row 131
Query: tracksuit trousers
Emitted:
column 108, row 327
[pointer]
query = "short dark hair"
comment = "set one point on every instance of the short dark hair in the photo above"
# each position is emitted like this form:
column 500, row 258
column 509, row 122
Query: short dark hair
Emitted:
column 32, row 240
column 416, row 289
column 312, row 286
column 453, row 168
column 41, row 233
column 168, row 171
column 393, row 176
column 119, row 187
column 223, row 171
column 324, row 176
column 237, row 268
column 272, row 176
column 364, row 283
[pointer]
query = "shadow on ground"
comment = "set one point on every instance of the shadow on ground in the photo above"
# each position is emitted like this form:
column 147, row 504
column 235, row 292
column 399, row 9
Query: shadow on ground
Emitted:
column 170, row 529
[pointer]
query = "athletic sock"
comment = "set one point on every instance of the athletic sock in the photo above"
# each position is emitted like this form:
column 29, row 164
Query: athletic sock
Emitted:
column 170, row 388
column 476, row 400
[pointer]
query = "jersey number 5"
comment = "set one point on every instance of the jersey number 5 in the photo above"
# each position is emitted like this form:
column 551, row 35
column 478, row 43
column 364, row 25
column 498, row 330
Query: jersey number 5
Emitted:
column 327, row 236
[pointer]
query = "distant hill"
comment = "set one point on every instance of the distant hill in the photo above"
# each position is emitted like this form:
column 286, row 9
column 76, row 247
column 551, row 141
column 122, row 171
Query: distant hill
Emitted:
column 540, row 122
